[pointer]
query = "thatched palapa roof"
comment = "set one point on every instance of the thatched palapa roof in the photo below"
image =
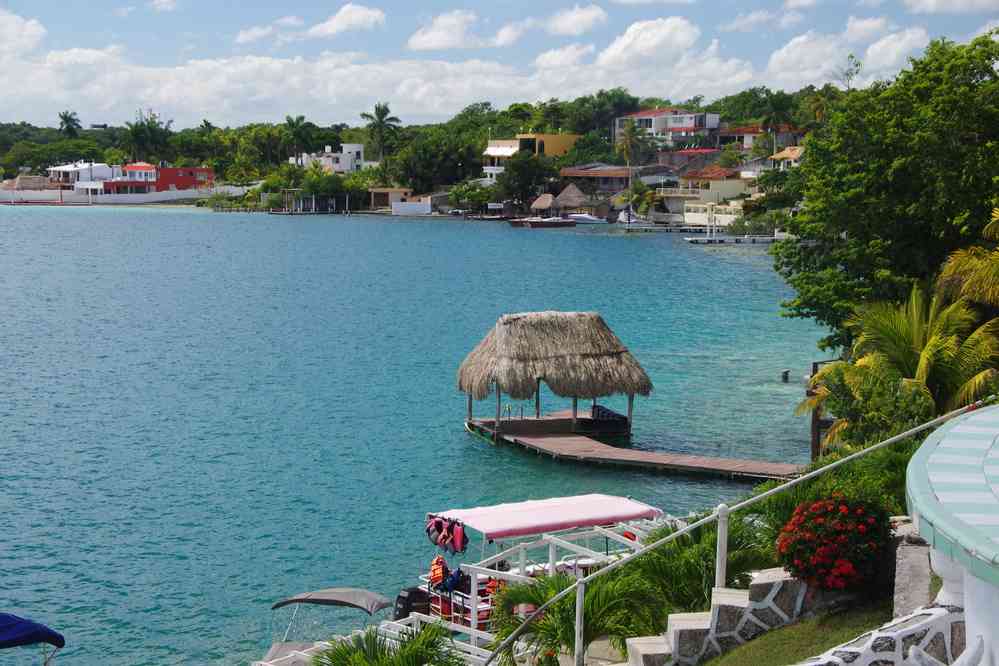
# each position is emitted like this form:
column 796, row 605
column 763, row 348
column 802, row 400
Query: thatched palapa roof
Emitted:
column 544, row 202
column 570, row 197
column 574, row 353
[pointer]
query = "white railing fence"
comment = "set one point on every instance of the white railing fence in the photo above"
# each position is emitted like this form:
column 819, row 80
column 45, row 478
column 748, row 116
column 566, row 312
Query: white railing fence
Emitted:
column 721, row 516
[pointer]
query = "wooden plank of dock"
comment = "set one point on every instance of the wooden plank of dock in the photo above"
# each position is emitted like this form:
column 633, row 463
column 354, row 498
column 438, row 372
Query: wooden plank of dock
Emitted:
column 586, row 449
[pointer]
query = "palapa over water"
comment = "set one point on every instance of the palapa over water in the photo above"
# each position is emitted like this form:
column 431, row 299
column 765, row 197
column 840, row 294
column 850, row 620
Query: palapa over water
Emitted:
column 574, row 353
column 544, row 202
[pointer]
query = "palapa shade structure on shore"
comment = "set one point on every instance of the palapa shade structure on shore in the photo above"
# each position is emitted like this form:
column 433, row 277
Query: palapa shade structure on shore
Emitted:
column 575, row 353
column 544, row 202
column 570, row 197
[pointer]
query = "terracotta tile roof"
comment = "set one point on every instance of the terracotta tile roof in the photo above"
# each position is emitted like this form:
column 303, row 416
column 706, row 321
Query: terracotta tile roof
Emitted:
column 698, row 151
column 755, row 128
column 139, row 166
column 594, row 172
column 712, row 172
column 654, row 113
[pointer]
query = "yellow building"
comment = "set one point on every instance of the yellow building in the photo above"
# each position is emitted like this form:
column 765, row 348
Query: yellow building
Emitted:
column 498, row 151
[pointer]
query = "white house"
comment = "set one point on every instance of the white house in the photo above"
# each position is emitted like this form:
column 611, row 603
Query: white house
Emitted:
column 670, row 126
column 81, row 175
column 348, row 160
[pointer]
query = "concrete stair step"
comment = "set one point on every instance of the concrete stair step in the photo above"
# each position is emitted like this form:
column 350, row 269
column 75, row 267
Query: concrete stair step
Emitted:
column 648, row 651
column 727, row 596
column 680, row 621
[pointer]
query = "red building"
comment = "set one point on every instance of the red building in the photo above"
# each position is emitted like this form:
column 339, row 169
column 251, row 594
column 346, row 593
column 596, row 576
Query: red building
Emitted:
column 142, row 178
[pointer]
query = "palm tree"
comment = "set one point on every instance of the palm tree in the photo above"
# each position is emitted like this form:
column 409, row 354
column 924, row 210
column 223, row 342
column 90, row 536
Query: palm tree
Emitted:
column 973, row 272
column 779, row 112
column 206, row 127
column 299, row 133
column 382, row 125
column 615, row 606
column 69, row 124
column 427, row 646
column 933, row 346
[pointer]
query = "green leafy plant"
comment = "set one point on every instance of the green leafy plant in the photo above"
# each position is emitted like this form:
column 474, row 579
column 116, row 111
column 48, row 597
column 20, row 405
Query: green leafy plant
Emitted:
column 835, row 543
column 429, row 645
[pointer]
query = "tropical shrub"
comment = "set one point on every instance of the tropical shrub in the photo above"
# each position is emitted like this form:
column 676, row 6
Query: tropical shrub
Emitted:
column 429, row 645
column 616, row 606
column 835, row 543
column 681, row 573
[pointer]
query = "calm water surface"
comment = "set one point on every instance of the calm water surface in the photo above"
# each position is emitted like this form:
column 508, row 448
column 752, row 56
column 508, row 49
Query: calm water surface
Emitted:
column 202, row 413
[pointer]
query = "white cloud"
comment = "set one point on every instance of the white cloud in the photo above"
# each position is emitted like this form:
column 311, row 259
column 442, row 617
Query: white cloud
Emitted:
column 891, row 50
column 654, row 2
column 951, row 6
column 870, row 4
column 512, row 32
column 450, row 30
column 812, row 57
column 349, row 17
column 163, row 5
column 122, row 12
column 567, row 56
column 576, row 21
column 253, row 34
column 762, row 19
column 652, row 41
column 991, row 25
column 18, row 34
column 289, row 22
column 800, row 4
column 864, row 29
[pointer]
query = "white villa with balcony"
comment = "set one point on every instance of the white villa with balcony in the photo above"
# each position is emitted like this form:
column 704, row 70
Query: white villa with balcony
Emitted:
column 704, row 197
column 670, row 126
column 82, row 175
column 497, row 152
column 348, row 160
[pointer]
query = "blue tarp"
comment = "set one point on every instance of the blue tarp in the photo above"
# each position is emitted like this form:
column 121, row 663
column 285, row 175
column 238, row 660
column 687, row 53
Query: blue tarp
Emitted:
column 15, row 631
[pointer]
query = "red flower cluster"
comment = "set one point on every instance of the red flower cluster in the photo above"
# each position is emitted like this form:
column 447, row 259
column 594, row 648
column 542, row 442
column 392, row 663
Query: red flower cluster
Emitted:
column 834, row 543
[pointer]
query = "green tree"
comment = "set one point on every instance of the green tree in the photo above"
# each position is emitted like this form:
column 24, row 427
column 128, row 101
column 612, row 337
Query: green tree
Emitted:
column 615, row 606
column 778, row 113
column 69, row 124
column 147, row 136
column 901, row 175
column 525, row 173
column 430, row 645
column 930, row 345
column 973, row 272
column 730, row 156
column 115, row 156
column 382, row 127
column 298, row 134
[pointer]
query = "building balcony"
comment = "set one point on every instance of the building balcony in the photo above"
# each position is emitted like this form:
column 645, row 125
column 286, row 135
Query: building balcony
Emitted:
column 680, row 192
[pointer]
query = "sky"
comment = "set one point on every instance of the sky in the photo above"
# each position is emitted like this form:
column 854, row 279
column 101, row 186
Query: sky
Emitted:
column 238, row 62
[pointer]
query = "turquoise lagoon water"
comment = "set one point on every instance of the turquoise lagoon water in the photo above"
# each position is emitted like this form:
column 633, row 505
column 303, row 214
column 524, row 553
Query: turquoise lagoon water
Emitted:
column 202, row 413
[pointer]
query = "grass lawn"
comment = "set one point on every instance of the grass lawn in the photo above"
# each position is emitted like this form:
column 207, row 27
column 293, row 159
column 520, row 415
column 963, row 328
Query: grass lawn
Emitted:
column 809, row 638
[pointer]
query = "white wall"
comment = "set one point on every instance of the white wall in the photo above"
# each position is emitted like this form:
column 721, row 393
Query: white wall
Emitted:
column 410, row 208
column 6, row 196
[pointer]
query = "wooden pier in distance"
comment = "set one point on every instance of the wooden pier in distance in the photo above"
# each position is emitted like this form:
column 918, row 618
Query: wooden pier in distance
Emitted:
column 543, row 437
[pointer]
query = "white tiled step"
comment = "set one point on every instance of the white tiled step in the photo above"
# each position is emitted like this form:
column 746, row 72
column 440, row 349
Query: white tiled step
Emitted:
column 680, row 621
column 648, row 650
column 727, row 596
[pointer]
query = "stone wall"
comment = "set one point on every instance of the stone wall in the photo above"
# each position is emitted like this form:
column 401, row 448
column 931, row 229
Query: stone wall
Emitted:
column 938, row 630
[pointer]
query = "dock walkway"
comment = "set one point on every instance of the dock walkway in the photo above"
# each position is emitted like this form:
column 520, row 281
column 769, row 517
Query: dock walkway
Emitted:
column 581, row 448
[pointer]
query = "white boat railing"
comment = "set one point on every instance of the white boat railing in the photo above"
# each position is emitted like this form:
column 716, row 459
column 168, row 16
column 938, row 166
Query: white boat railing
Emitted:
column 720, row 516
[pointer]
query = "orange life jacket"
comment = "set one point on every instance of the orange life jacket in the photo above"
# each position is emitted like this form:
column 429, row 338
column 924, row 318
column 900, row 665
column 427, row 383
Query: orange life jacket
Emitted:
column 438, row 571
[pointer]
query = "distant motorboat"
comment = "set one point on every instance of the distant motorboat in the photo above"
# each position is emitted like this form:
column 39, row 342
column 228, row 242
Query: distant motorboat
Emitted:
column 543, row 222
column 627, row 216
column 586, row 218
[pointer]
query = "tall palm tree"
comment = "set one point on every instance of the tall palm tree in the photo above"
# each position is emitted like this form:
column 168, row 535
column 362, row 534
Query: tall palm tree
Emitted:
column 69, row 124
column 779, row 112
column 427, row 646
column 933, row 345
column 382, row 126
column 298, row 134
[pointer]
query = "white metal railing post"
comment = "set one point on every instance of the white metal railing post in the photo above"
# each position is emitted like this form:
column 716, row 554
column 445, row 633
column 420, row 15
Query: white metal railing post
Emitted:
column 552, row 558
column 579, row 652
column 473, row 616
column 721, row 554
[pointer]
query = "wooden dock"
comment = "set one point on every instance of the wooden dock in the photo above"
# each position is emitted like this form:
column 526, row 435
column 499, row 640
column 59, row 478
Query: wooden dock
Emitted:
column 581, row 448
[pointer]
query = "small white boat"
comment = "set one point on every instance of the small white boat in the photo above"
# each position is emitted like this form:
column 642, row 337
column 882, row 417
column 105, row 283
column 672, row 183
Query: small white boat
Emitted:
column 586, row 218
column 628, row 216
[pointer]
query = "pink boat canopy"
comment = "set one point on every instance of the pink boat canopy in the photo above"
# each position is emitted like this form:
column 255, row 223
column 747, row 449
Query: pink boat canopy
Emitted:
column 550, row 515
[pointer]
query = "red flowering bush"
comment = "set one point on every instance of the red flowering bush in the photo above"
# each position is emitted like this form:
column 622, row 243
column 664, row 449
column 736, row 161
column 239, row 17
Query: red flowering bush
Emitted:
column 834, row 543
